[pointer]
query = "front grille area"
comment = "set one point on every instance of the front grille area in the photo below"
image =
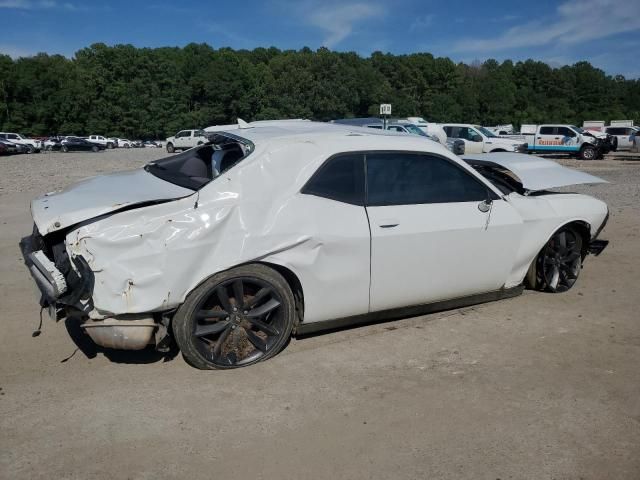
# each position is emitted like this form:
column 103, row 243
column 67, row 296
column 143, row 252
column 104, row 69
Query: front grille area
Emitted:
column 78, row 283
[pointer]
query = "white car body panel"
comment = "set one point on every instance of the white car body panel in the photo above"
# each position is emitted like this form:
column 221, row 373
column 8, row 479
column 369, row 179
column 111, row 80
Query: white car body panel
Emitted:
column 148, row 259
column 464, row 251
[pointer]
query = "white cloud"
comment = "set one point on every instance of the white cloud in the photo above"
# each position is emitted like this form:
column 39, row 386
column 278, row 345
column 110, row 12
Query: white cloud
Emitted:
column 338, row 20
column 575, row 22
column 40, row 4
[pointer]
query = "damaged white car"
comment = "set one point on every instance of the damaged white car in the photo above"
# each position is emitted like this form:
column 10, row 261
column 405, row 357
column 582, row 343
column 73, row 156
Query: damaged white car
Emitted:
column 277, row 229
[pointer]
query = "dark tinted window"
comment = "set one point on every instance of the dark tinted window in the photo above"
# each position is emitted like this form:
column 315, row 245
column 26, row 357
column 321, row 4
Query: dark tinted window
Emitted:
column 546, row 130
column 404, row 179
column 566, row 132
column 341, row 178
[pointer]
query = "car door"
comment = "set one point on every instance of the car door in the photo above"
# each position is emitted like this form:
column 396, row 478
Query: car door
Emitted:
column 472, row 144
column 623, row 135
column 437, row 231
column 180, row 139
column 335, row 273
column 547, row 138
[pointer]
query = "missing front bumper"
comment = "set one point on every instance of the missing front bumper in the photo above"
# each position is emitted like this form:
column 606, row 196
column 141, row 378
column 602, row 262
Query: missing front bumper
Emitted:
column 60, row 284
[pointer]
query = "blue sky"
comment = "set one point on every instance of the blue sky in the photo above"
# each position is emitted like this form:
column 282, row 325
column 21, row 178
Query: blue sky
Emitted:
column 604, row 32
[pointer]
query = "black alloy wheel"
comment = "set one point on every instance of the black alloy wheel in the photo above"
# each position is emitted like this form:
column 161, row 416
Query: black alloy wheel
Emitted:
column 560, row 261
column 236, row 318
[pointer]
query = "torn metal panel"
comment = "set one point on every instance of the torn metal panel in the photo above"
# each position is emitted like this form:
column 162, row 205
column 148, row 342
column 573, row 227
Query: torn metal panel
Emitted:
column 148, row 259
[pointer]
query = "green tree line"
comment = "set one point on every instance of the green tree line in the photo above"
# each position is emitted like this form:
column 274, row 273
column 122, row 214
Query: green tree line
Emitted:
column 151, row 93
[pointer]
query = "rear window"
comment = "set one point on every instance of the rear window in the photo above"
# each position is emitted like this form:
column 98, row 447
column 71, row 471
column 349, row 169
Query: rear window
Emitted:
column 341, row 179
column 198, row 166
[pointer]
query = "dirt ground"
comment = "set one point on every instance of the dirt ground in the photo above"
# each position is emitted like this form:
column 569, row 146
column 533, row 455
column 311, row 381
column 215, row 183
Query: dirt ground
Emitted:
column 537, row 387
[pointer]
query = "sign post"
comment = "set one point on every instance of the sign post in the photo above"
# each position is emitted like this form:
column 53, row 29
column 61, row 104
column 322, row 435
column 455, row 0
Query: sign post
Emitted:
column 385, row 111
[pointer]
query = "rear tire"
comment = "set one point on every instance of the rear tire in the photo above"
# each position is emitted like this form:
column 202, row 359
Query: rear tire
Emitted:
column 31, row 149
column 170, row 148
column 110, row 146
column 64, row 149
column 94, row 149
column 235, row 318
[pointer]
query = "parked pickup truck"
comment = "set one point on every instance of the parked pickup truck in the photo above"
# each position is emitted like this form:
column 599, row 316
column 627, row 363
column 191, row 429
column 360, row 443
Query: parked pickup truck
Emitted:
column 32, row 145
column 558, row 138
column 480, row 140
column 100, row 140
column 185, row 139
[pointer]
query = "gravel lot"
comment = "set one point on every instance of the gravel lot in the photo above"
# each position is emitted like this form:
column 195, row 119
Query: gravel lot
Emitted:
column 540, row 386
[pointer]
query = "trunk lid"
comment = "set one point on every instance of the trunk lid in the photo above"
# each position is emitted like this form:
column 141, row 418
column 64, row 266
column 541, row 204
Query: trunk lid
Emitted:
column 101, row 195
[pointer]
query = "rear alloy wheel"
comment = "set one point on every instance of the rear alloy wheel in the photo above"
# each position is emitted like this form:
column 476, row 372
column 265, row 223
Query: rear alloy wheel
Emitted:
column 236, row 318
column 94, row 148
column 559, row 263
column 31, row 149
column 64, row 148
column 588, row 153
column 170, row 148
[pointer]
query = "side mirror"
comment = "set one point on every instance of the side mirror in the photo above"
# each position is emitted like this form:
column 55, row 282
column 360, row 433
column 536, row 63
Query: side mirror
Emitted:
column 458, row 147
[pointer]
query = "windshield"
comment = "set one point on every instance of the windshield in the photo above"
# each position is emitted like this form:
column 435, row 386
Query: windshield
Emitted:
column 198, row 166
column 578, row 129
column 487, row 133
column 415, row 130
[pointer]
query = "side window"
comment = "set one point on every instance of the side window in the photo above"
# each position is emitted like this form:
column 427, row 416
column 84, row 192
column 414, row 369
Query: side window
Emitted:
column 406, row 178
column 12, row 136
column 566, row 132
column 341, row 178
column 395, row 128
column 546, row 130
column 180, row 134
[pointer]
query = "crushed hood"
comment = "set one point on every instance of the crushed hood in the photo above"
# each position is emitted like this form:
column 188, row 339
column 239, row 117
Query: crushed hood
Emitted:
column 100, row 195
column 534, row 173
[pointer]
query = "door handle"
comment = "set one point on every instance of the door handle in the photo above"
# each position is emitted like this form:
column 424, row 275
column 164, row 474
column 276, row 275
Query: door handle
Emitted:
column 539, row 138
column 389, row 225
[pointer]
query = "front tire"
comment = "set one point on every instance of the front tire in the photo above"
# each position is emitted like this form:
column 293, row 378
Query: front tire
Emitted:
column 64, row 149
column 95, row 149
column 558, row 265
column 588, row 153
column 235, row 318
column 110, row 146
column 170, row 148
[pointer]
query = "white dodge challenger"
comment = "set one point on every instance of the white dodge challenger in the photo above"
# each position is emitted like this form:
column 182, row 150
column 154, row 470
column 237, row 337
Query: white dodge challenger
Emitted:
column 289, row 227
